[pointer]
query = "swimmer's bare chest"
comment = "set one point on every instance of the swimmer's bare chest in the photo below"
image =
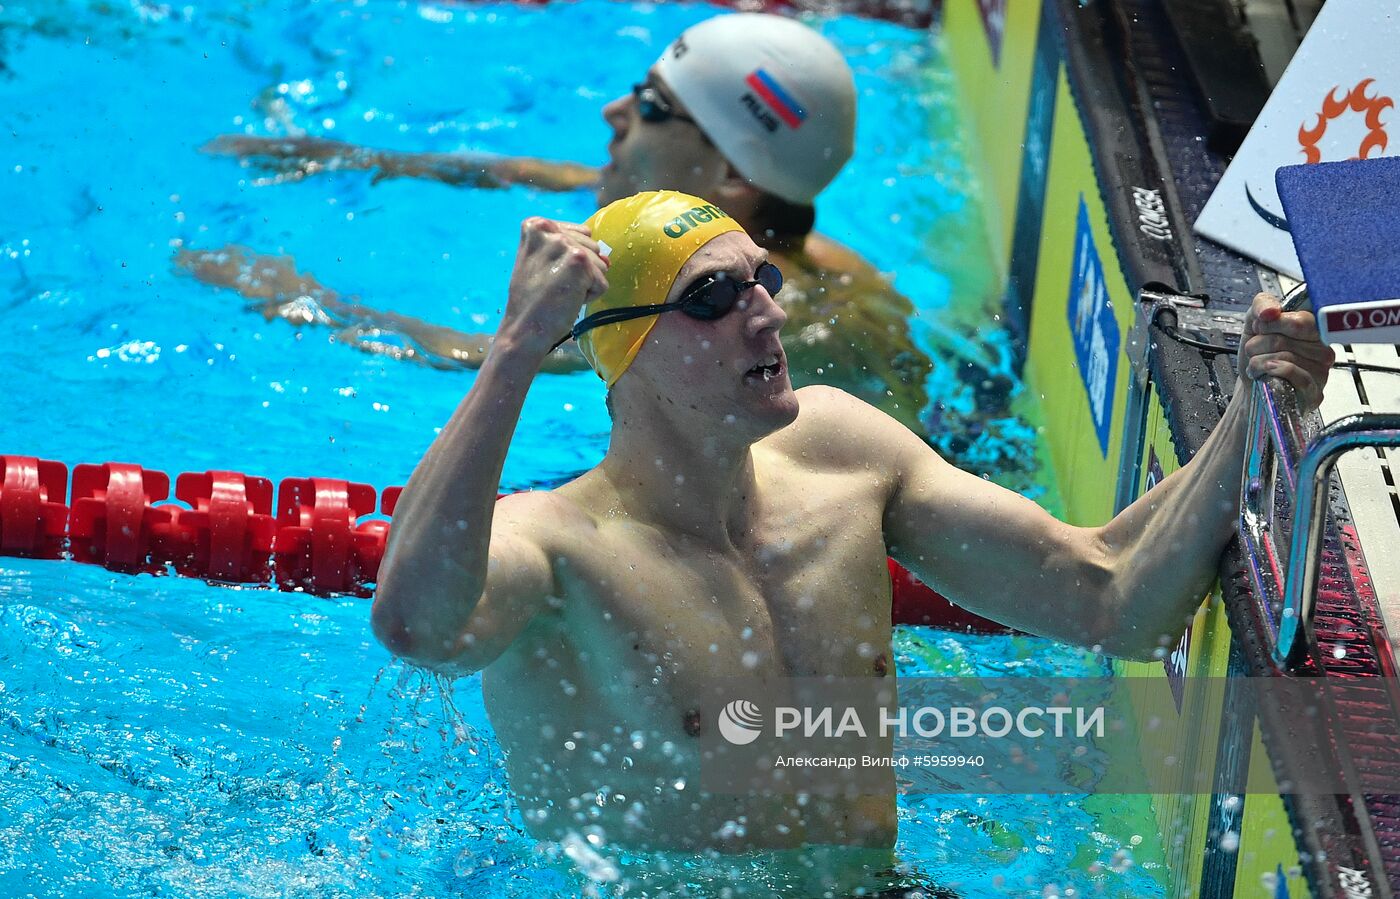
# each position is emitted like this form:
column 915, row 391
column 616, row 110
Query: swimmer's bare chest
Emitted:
column 599, row 695
column 802, row 591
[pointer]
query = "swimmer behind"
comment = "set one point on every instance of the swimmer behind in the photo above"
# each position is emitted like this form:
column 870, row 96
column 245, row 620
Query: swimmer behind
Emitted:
column 693, row 124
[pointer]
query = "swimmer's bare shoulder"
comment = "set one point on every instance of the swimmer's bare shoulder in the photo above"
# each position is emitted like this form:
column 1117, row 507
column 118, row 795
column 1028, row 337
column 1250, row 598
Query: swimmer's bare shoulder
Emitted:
column 830, row 256
column 533, row 534
column 557, row 523
column 838, row 431
column 566, row 525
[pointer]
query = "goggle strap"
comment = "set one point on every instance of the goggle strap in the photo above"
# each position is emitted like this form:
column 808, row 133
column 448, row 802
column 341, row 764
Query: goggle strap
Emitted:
column 612, row 317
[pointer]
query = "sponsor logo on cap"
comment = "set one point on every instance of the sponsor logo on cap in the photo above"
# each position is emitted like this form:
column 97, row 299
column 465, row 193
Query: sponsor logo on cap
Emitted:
column 766, row 90
column 692, row 218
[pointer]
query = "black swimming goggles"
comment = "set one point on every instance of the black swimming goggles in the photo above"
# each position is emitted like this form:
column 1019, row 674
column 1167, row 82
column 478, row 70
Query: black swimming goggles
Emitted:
column 709, row 298
column 653, row 106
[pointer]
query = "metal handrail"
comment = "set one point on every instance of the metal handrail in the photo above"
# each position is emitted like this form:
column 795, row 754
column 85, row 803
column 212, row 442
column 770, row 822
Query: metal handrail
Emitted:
column 1289, row 428
column 1310, row 507
column 1282, row 440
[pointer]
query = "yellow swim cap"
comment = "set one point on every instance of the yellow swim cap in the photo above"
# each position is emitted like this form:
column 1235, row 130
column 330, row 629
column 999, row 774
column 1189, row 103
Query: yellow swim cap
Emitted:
column 650, row 235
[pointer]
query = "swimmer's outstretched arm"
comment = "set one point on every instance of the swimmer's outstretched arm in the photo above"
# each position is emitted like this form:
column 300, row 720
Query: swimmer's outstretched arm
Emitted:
column 280, row 291
column 1130, row 587
column 463, row 575
column 294, row 158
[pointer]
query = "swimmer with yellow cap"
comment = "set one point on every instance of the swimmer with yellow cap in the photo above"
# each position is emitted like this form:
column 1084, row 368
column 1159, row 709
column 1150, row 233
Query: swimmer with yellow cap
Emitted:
column 728, row 532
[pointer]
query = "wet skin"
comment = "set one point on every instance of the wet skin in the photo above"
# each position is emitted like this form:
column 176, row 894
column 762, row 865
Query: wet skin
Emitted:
column 646, row 613
column 592, row 689
column 647, row 604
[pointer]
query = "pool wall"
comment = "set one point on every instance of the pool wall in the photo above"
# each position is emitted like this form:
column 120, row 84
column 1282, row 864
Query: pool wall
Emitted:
column 1108, row 437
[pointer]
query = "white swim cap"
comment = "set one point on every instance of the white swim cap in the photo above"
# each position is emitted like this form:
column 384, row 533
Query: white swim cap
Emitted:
column 776, row 97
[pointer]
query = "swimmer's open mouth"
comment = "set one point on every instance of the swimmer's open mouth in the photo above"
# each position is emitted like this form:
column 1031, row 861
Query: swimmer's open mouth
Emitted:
column 766, row 370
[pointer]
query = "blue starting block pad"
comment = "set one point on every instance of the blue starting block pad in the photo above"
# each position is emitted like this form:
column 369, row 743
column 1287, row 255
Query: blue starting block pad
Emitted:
column 1345, row 222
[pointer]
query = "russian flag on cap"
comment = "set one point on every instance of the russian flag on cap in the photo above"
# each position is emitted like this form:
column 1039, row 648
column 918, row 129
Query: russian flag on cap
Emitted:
column 780, row 101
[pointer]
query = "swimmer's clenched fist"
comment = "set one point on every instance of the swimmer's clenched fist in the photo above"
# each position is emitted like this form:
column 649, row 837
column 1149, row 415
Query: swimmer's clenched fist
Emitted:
column 558, row 269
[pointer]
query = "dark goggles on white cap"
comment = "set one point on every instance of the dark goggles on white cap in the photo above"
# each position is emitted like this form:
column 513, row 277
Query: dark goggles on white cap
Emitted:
column 653, row 106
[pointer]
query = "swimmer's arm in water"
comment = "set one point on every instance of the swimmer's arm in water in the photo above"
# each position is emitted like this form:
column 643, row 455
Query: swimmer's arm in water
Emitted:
column 279, row 290
column 294, row 158
column 463, row 575
column 1128, row 587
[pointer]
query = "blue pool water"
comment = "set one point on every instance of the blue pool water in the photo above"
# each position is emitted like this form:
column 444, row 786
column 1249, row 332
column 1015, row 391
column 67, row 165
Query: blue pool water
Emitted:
column 166, row 737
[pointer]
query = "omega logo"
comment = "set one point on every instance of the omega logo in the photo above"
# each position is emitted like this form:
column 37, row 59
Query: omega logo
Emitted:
column 1357, row 319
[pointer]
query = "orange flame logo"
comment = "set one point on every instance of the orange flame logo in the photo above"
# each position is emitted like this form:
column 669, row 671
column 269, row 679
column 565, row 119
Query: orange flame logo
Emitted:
column 1333, row 108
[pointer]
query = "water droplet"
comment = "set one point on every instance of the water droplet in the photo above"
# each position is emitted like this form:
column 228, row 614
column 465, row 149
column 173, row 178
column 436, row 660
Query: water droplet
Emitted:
column 466, row 863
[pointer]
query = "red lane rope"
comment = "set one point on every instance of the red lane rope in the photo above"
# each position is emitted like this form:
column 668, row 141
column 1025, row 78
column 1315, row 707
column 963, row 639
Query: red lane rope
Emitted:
column 317, row 541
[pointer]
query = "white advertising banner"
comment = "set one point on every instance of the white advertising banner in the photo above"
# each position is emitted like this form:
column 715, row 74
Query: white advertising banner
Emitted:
column 1337, row 100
